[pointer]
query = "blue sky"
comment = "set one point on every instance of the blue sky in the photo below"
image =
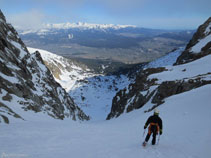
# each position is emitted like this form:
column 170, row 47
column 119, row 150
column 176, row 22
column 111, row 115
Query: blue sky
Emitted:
column 166, row 14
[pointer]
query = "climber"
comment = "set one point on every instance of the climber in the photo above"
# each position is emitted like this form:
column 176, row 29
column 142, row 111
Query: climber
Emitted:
column 155, row 126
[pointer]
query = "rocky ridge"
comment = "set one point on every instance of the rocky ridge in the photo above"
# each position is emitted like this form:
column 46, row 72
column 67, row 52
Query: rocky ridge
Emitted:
column 199, row 45
column 27, row 84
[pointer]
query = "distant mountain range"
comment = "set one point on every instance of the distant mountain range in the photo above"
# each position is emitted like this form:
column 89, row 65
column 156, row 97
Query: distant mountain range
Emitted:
column 79, row 25
column 106, row 42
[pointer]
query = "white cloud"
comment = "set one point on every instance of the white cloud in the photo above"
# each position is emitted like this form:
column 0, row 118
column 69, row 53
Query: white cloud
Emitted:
column 33, row 19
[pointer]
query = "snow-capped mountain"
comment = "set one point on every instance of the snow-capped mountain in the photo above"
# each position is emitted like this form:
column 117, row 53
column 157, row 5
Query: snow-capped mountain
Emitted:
column 79, row 25
column 106, row 42
column 155, row 84
column 26, row 84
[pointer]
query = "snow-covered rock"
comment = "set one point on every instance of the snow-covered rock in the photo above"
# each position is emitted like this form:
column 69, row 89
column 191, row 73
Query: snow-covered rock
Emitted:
column 27, row 84
column 199, row 45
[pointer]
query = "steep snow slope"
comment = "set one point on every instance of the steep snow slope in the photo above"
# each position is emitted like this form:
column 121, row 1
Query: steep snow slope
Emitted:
column 166, row 60
column 92, row 92
column 186, row 133
column 65, row 71
column 94, row 95
column 155, row 85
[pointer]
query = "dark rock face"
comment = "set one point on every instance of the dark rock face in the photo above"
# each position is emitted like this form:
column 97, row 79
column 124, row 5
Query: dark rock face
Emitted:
column 170, row 88
column 202, row 32
column 26, row 82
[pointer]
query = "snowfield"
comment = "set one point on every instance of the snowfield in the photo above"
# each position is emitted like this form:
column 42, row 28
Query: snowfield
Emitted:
column 186, row 134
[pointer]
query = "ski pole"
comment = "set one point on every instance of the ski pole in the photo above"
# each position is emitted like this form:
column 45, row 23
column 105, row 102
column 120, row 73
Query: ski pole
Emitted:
column 158, row 139
column 144, row 132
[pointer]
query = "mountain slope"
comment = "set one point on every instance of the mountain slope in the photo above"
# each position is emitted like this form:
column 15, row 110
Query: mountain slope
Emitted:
column 65, row 71
column 156, row 84
column 184, row 134
column 91, row 91
column 27, row 84
column 199, row 45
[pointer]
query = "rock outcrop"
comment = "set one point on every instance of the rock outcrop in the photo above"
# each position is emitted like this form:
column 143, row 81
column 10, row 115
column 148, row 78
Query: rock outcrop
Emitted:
column 199, row 45
column 27, row 84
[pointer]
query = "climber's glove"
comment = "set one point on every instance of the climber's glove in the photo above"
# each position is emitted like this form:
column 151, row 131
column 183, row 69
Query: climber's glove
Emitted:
column 161, row 132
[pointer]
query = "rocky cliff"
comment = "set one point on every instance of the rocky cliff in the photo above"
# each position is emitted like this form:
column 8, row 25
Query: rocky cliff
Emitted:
column 27, row 84
column 199, row 45
column 154, row 85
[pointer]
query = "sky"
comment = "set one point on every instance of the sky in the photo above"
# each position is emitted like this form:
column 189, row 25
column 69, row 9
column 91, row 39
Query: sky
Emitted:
column 161, row 14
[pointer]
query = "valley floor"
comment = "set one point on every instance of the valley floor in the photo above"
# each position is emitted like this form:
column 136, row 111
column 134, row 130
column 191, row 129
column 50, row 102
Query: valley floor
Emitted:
column 186, row 134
